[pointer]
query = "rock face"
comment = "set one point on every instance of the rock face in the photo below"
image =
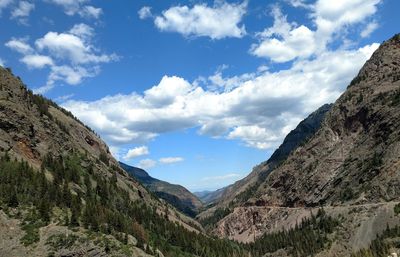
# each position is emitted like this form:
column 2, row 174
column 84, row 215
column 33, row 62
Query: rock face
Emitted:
column 176, row 195
column 352, row 160
column 237, row 193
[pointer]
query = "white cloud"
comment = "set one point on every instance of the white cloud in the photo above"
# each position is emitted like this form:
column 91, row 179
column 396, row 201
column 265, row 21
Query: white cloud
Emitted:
column 70, row 75
column 169, row 160
column 254, row 136
column 63, row 98
column 71, row 47
column 20, row 46
column 136, row 152
column 300, row 3
column 371, row 27
column 37, row 61
column 215, row 182
column 147, row 164
column 259, row 110
column 330, row 17
column 71, row 55
column 89, row 11
column 4, row 4
column 82, row 30
column 344, row 11
column 223, row 177
column 145, row 12
column 22, row 11
column 219, row 21
column 286, row 41
column 43, row 89
column 72, row 7
column 2, row 62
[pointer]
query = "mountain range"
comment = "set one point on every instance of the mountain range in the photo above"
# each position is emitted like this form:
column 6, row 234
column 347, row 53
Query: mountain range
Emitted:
column 331, row 189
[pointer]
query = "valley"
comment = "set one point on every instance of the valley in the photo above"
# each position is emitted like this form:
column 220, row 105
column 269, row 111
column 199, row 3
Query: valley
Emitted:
column 330, row 187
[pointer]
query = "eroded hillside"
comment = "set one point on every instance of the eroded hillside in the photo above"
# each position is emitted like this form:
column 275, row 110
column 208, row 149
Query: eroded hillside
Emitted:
column 350, row 166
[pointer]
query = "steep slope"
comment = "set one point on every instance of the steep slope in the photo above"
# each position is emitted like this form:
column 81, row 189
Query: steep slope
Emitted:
column 63, row 194
column 238, row 192
column 176, row 195
column 350, row 166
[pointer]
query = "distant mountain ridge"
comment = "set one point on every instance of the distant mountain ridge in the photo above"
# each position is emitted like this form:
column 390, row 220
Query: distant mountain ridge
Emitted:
column 176, row 195
column 208, row 197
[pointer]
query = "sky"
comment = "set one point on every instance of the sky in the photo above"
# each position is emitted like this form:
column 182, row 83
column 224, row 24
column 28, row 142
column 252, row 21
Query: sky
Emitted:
column 195, row 92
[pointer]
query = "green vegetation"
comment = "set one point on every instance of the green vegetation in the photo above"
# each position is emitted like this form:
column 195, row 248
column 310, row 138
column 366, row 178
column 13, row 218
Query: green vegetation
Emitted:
column 396, row 98
column 59, row 241
column 99, row 205
column 218, row 215
column 358, row 79
column 104, row 158
column 306, row 239
column 381, row 245
column 397, row 209
column 31, row 233
column 347, row 194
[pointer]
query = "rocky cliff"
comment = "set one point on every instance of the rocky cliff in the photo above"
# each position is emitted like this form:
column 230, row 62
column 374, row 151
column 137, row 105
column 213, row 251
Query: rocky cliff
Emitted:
column 349, row 166
column 237, row 193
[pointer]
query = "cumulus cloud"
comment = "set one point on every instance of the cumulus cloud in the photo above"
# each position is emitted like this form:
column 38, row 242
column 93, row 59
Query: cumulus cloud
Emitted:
column 260, row 110
column 70, row 56
column 73, row 7
column 37, row 61
column 70, row 75
column 286, row 41
column 136, row 152
column 257, row 108
column 219, row 21
column 147, row 164
column 20, row 46
column 169, row 160
column 72, row 48
column 291, row 41
column 22, row 11
column 371, row 27
column 145, row 12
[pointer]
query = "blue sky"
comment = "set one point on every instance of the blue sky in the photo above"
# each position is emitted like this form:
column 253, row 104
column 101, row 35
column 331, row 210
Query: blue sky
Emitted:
column 195, row 92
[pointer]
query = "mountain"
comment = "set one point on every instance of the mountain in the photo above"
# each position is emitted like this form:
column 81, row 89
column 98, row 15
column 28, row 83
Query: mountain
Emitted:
column 63, row 194
column 209, row 197
column 178, row 196
column 349, row 167
column 235, row 194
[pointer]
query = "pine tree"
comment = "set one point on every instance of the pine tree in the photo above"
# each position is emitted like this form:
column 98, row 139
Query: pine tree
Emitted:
column 13, row 200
